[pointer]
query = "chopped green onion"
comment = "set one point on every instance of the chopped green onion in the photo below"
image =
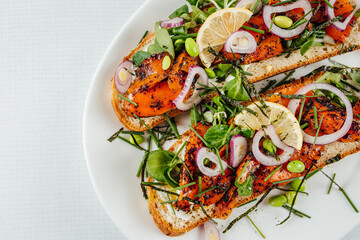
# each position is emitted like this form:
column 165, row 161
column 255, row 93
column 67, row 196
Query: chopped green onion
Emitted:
column 317, row 132
column 272, row 173
column 358, row 116
column 331, row 183
column 152, row 183
column 146, row 155
column 312, row 174
column 253, row 29
column 304, row 125
column 132, row 144
column 272, row 22
column 184, row 36
column 184, row 186
column 255, row 6
column 301, row 110
column 205, row 191
column 172, row 125
column 170, row 201
column 329, row 4
column 257, row 229
column 128, row 100
column 200, row 182
column 242, row 171
column 286, row 180
column 315, row 118
column 221, row 166
column 199, row 136
column 342, row 48
column 282, row 2
column 171, row 204
column 150, row 131
column 146, row 32
column 296, row 212
column 300, row 21
column 133, row 132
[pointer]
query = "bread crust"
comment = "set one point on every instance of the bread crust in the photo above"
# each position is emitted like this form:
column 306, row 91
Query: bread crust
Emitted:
column 261, row 70
column 177, row 226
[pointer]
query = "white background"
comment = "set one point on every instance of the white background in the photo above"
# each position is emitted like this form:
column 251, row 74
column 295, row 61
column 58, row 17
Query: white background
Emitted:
column 49, row 51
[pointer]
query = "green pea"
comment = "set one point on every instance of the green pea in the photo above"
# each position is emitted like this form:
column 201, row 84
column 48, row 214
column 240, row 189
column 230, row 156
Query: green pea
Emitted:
column 294, row 185
column 166, row 63
column 211, row 74
column 290, row 197
column 278, row 201
column 283, row 21
column 268, row 145
column 296, row 166
column 208, row 116
column 191, row 47
column 179, row 42
column 211, row 10
column 138, row 138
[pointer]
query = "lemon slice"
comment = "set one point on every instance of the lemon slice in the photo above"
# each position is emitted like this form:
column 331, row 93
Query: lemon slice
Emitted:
column 216, row 29
column 285, row 123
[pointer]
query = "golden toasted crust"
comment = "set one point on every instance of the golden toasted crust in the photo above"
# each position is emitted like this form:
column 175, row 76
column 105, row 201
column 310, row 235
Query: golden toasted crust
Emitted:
column 171, row 225
column 260, row 70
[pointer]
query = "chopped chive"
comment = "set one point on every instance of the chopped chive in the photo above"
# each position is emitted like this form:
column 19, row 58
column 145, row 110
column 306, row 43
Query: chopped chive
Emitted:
column 115, row 135
column 257, row 229
column 171, row 204
column 210, row 107
column 152, row 183
column 312, row 174
column 255, row 6
column 247, row 202
column 286, row 180
column 272, row 173
column 133, row 132
column 205, row 191
column 329, row 4
column 272, row 22
column 290, row 190
column 128, row 100
column 143, row 171
column 317, row 132
column 183, row 163
column 221, row 166
column 300, row 21
column 173, row 126
column 342, row 48
column 170, row 201
column 283, row 81
column 150, row 131
column 142, row 38
column 268, row 86
column 200, row 182
column 296, row 212
column 132, row 144
column 301, row 110
column 242, row 171
column 304, row 125
column 206, row 214
column 249, row 210
column 227, row 150
column 253, row 29
column 282, row 2
column 199, row 136
column 331, row 183
column 315, row 118
column 358, row 116
column 146, row 155
column 184, row 186
column 341, row 189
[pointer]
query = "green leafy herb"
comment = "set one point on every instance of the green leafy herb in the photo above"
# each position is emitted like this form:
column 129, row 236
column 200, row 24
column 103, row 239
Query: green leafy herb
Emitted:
column 139, row 57
column 163, row 39
column 235, row 88
column 216, row 136
column 178, row 12
column 245, row 188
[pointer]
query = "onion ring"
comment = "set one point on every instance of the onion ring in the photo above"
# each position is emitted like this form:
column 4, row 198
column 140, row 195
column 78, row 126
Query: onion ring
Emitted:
column 341, row 26
column 328, row 138
column 174, row 22
column 267, row 160
column 205, row 153
column 243, row 38
column 238, row 148
column 195, row 98
column 283, row 33
column 124, row 76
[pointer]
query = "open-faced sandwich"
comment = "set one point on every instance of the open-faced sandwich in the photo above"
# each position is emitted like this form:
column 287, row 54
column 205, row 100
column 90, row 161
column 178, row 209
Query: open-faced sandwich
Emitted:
column 233, row 153
column 203, row 44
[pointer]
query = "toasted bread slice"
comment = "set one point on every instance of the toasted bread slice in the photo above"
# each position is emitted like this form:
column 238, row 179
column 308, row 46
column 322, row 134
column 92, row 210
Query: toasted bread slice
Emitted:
column 172, row 225
column 260, row 70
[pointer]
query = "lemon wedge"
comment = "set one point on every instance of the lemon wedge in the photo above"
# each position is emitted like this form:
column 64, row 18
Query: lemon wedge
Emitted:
column 216, row 29
column 285, row 123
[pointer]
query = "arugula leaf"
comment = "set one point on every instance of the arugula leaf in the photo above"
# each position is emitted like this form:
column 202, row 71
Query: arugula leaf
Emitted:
column 198, row 16
column 355, row 76
column 155, row 48
column 217, row 135
column 245, row 188
column 139, row 57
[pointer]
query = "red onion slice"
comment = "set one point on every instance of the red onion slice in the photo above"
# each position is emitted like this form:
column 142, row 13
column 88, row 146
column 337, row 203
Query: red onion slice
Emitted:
column 195, row 98
column 249, row 4
column 331, row 13
column 328, row 138
column 205, row 153
column 238, row 148
column 283, row 33
column 124, row 75
column 174, row 22
column 267, row 160
column 211, row 231
column 240, row 42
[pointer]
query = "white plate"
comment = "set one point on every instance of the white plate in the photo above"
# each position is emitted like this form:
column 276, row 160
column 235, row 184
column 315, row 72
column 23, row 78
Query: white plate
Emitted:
column 113, row 166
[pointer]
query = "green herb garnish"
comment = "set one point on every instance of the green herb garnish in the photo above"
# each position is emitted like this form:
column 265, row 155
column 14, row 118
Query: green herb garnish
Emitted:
column 257, row 229
column 126, row 99
column 317, row 132
column 272, row 173
column 331, row 183
column 253, row 29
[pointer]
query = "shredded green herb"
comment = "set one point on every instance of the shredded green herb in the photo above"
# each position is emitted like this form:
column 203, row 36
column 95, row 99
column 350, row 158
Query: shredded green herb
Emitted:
column 184, row 186
column 296, row 212
column 257, row 229
column 272, row 173
column 315, row 118
column 317, row 132
column 172, row 125
column 331, row 183
column 253, row 29
column 128, row 100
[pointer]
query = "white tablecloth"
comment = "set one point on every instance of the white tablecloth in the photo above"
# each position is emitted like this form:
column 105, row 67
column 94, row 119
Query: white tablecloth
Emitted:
column 49, row 51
